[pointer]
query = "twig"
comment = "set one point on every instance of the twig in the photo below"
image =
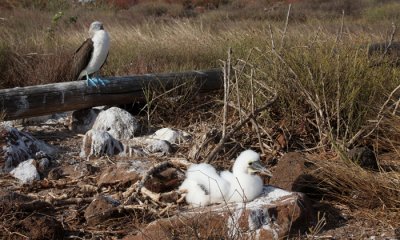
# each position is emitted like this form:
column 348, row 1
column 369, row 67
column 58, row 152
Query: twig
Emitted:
column 182, row 162
column 16, row 233
column 390, row 39
column 387, row 47
column 139, row 207
column 256, row 126
column 237, row 90
column 340, row 32
column 71, row 201
column 355, row 137
column 271, row 36
column 152, row 195
column 238, row 125
column 255, row 123
column 156, row 168
column 380, row 116
column 227, row 72
column 252, row 90
column 286, row 25
column 224, row 115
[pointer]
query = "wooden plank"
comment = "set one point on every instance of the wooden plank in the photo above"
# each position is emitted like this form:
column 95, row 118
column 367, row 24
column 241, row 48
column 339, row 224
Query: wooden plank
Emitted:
column 66, row 96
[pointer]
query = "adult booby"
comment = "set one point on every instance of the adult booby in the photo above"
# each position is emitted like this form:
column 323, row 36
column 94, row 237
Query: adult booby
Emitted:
column 91, row 55
column 204, row 186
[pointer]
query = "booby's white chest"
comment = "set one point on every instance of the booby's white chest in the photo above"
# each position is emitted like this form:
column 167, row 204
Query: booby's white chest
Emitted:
column 101, row 45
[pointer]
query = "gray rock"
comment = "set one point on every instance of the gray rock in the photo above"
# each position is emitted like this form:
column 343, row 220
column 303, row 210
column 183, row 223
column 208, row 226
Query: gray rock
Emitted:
column 26, row 172
column 99, row 143
column 83, row 120
column 117, row 122
column 364, row 157
column 19, row 146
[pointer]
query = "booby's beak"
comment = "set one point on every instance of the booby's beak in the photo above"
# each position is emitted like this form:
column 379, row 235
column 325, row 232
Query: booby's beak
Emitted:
column 257, row 167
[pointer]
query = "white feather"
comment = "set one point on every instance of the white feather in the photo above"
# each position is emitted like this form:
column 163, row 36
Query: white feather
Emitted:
column 205, row 186
column 101, row 45
column 244, row 186
column 210, row 187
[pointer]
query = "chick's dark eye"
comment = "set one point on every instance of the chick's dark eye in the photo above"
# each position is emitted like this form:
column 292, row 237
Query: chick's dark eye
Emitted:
column 250, row 163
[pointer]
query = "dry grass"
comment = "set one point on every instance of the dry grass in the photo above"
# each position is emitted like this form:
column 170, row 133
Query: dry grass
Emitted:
column 319, row 69
column 358, row 187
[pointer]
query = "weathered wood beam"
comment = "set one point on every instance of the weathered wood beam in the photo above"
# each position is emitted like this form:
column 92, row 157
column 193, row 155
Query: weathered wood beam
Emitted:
column 66, row 96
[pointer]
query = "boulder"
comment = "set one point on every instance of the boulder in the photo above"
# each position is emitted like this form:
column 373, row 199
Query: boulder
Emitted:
column 364, row 157
column 123, row 173
column 166, row 180
column 158, row 146
column 101, row 209
column 26, row 172
column 292, row 173
column 172, row 136
column 17, row 146
column 82, row 120
column 99, row 143
column 141, row 146
column 117, row 122
column 273, row 215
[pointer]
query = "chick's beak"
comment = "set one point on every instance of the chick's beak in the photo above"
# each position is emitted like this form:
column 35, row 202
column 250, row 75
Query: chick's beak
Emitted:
column 256, row 167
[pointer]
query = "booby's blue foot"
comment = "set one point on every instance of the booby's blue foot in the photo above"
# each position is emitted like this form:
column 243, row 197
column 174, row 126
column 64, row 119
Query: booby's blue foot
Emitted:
column 96, row 82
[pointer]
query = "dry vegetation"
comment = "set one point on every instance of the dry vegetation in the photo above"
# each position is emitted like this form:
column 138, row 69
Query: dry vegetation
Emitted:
column 329, row 98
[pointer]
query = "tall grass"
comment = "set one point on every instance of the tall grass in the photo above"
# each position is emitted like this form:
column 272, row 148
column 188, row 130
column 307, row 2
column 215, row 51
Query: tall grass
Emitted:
column 327, row 90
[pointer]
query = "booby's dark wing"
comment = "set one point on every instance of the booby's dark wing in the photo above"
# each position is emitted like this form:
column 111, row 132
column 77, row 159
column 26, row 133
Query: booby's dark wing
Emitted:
column 81, row 58
column 104, row 61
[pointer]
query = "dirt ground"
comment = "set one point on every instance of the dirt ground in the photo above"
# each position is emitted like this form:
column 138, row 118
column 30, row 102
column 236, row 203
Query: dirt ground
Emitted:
column 73, row 183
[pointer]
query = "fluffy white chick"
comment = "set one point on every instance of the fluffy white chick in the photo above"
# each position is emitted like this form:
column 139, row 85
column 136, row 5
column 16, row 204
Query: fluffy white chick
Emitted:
column 203, row 185
column 244, row 185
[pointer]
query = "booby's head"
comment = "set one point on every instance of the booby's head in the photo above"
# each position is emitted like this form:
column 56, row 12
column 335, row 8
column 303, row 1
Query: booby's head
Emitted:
column 94, row 27
column 248, row 162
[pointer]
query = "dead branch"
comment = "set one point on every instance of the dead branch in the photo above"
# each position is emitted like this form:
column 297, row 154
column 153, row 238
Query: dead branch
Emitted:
column 72, row 201
column 237, row 126
column 380, row 113
column 155, row 169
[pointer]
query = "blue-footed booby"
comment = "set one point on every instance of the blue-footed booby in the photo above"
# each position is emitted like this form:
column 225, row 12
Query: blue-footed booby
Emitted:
column 91, row 55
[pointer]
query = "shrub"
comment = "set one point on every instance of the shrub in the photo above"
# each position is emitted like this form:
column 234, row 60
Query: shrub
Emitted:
column 389, row 11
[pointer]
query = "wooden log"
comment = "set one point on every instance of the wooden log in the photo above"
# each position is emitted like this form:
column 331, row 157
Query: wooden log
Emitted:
column 66, row 96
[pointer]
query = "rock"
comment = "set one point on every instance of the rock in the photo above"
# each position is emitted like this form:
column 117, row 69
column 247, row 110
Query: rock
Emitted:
column 123, row 173
column 117, row 122
column 19, row 146
column 83, row 120
column 274, row 215
column 134, row 151
column 172, row 136
column 39, row 155
column 56, row 118
column 292, row 173
column 101, row 209
column 40, row 227
column 55, row 173
column 140, row 146
column 165, row 181
column 98, row 143
column 43, row 166
column 158, row 146
column 364, row 157
column 26, row 172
